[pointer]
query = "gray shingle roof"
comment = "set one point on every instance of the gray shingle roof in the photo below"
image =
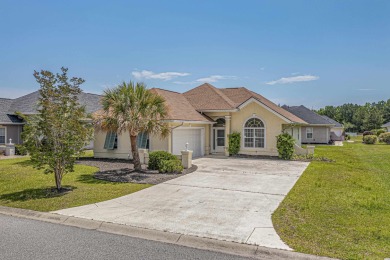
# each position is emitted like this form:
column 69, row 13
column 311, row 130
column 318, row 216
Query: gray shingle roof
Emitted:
column 28, row 105
column 332, row 121
column 308, row 115
column 386, row 125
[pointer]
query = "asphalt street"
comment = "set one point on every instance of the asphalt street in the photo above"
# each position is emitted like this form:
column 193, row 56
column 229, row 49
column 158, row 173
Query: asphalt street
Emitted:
column 30, row 239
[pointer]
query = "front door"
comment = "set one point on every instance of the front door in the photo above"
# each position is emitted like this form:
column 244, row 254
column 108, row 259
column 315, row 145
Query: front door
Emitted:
column 219, row 139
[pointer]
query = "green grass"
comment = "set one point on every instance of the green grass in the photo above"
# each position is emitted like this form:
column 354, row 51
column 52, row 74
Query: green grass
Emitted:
column 340, row 209
column 22, row 186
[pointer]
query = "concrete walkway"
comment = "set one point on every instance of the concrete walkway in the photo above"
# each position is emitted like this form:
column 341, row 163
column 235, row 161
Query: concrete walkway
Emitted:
column 226, row 199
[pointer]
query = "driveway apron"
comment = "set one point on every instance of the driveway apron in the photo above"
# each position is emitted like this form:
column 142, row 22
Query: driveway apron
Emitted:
column 227, row 199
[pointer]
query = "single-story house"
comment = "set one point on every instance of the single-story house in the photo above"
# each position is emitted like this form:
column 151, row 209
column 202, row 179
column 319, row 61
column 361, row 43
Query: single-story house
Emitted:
column 318, row 129
column 11, row 126
column 203, row 117
column 387, row 125
column 337, row 132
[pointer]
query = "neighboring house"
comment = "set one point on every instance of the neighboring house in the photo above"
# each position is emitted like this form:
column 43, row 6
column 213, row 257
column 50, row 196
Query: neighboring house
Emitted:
column 204, row 117
column 387, row 125
column 337, row 132
column 318, row 130
column 11, row 126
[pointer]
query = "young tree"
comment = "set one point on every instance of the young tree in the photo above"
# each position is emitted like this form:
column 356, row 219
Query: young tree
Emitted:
column 134, row 109
column 56, row 135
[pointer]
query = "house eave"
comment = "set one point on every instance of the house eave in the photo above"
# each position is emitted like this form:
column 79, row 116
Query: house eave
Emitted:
column 188, row 121
column 217, row 110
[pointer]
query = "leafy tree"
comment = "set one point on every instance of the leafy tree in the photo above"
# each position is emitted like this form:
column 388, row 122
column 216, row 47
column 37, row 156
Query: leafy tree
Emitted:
column 132, row 108
column 56, row 135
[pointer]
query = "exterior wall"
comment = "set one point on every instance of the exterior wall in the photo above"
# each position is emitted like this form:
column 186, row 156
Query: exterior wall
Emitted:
column 273, row 127
column 321, row 135
column 14, row 132
column 155, row 143
column 388, row 129
column 122, row 152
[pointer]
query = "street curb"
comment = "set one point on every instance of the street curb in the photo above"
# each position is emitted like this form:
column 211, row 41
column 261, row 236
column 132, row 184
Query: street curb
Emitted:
column 209, row 244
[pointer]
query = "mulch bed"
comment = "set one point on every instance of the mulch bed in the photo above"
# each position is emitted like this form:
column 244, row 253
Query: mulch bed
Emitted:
column 116, row 170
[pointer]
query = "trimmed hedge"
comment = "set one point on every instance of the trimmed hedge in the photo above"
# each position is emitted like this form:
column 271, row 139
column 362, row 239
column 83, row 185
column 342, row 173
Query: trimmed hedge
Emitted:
column 367, row 133
column 234, row 143
column 164, row 162
column 384, row 138
column 285, row 144
column 378, row 132
column 370, row 139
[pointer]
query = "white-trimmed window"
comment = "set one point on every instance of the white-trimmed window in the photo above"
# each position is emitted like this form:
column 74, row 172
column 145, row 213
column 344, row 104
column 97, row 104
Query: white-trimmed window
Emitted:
column 2, row 135
column 254, row 133
column 309, row 133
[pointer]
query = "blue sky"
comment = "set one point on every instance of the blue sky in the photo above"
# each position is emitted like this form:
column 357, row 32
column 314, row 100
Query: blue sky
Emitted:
column 315, row 53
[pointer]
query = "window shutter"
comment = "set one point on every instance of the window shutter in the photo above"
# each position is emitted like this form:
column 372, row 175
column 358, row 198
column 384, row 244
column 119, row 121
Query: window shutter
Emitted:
column 109, row 144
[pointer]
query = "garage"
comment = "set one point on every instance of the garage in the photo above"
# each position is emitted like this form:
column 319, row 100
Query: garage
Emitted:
column 193, row 136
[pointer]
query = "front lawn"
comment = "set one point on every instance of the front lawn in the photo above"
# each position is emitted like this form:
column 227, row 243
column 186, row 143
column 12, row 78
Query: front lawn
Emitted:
column 22, row 186
column 340, row 209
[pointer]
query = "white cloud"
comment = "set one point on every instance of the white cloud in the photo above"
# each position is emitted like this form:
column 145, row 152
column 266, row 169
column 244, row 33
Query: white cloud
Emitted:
column 294, row 79
column 215, row 78
column 184, row 82
column 147, row 74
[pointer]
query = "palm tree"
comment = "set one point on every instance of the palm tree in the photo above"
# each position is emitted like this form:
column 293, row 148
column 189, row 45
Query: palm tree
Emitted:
column 132, row 108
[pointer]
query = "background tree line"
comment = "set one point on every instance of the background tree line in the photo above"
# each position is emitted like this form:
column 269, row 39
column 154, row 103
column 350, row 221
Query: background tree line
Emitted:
column 359, row 118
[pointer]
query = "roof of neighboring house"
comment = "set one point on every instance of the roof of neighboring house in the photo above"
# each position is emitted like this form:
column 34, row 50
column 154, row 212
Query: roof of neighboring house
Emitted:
column 207, row 97
column 5, row 104
column 308, row 115
column 332, row 121
column 179, row 108
column 386, row 125
column 28, row 104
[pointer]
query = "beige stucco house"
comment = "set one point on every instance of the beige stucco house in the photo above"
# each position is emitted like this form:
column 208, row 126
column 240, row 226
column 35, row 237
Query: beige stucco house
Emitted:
column 202, row 119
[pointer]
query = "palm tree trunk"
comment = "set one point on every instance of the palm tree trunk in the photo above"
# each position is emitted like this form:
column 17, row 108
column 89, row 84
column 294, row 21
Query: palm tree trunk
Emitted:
column 134, row 152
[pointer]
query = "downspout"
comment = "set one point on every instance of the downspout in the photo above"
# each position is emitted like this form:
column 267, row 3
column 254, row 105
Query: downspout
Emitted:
column 172, row 128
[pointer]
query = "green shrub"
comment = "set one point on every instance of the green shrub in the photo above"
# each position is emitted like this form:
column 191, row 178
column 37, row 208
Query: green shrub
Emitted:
column 20, row 149
column 370, row 139
column 384, row 138
column 367, row 133
column 377, row 132
column 347, row 137
column 170, row 166
column 285, row 145
column 234, row 143
column 164, row 162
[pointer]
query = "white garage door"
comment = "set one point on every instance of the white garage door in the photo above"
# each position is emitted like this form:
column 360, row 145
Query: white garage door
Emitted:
column 191, row 136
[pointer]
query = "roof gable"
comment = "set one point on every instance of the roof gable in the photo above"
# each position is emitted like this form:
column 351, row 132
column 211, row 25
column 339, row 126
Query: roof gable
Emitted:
column 179, row 108
column 208, row 97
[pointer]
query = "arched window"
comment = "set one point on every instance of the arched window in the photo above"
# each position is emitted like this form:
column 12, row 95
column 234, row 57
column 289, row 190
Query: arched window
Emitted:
column 219, row 122
column 254, row 133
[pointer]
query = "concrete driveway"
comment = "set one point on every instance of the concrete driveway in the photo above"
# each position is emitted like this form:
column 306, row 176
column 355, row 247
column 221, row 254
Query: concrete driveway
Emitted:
column 225, row 199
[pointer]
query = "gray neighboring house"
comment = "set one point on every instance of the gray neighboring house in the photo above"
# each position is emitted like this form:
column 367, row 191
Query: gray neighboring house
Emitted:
column 11, row 126
column 318, row 130
column 387, row 125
